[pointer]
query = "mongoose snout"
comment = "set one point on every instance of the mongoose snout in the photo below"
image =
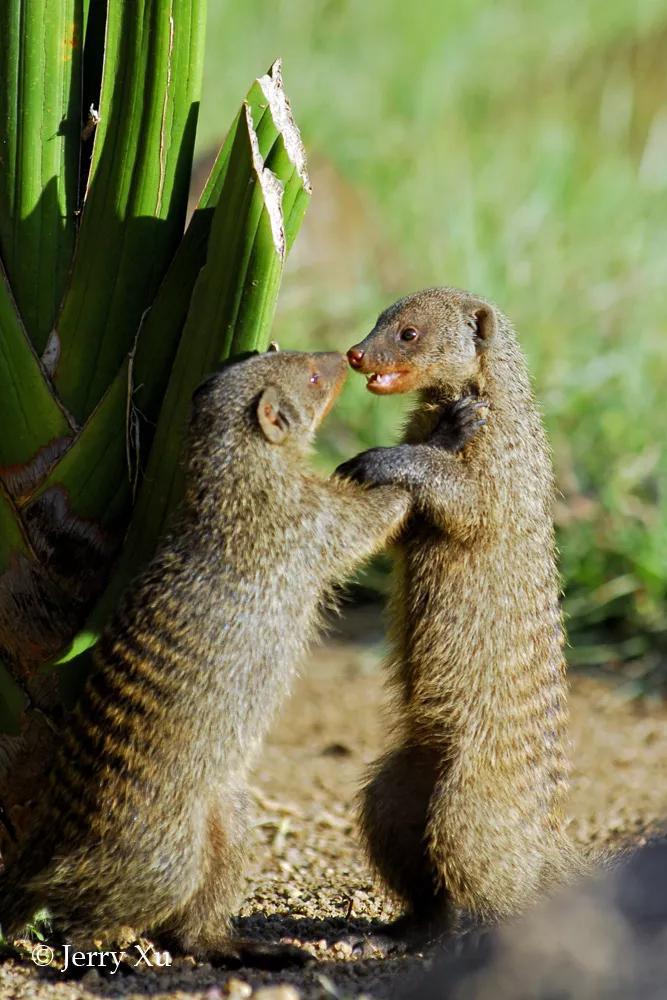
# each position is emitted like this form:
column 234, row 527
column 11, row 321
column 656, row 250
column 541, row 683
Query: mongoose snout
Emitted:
column 383, row 377
column 313, row 386
column 328, row 373
column 409, row 349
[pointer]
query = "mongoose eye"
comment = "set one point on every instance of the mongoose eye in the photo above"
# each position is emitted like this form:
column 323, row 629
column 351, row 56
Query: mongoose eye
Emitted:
column 314, row 378
column 409, row 333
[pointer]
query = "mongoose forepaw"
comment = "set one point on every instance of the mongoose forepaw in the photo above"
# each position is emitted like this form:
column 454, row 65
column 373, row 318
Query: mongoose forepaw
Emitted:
column 375, row 467
column 461, row 421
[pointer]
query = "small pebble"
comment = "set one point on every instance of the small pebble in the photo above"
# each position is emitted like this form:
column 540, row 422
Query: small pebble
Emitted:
column 277, row 993
column 237, row 989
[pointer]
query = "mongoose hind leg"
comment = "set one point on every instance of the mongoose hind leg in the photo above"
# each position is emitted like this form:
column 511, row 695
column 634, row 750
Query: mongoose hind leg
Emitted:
column 394, row 817
column 203, row 925
column 204, row 928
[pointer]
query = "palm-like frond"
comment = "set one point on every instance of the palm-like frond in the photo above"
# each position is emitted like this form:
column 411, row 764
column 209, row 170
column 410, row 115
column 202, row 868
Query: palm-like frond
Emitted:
column 109, row 313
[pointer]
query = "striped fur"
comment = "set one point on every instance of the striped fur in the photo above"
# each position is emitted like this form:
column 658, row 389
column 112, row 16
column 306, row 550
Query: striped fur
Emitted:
column 145, row 824
column 467, row 808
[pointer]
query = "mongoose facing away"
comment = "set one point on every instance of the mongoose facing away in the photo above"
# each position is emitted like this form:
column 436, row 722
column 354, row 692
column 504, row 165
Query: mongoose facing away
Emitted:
column 467, row 807
column 145, row 826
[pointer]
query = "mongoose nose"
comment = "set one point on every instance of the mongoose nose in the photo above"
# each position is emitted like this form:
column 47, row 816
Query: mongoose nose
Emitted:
column 355, row 356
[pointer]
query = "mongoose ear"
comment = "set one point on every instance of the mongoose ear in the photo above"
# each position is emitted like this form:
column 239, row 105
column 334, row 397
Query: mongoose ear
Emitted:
column 482, row 320
column 273, row 420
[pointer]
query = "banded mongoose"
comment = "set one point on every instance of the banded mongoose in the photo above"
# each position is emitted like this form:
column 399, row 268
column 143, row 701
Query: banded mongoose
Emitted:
column 145, row 826
column 466, row 811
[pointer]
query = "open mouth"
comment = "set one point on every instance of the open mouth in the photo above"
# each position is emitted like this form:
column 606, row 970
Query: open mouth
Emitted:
column 385, row 382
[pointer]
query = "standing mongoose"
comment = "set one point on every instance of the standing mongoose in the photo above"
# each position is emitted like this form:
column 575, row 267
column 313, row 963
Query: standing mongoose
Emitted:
column 145, row 824
column 466, row 810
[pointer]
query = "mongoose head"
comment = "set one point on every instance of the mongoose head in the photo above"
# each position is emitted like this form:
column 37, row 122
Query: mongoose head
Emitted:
column 278, row 399
column 433, row 339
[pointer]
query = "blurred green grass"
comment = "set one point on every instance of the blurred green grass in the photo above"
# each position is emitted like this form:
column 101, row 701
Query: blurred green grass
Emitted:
column 519, row 150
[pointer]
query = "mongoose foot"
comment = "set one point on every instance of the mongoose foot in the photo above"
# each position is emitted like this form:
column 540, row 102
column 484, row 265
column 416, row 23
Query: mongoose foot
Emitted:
column 244, row 953
column 461, row 421
column 393, row 940
column 415, row 933
column 419, row 933
column 373, row 944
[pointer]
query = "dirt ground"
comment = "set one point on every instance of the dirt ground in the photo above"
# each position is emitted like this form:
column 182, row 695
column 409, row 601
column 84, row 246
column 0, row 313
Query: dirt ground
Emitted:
column 310, row 884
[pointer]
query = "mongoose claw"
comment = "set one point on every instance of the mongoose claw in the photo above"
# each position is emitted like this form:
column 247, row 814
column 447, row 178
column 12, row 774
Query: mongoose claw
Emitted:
column 371, row 945
column 461, row 421
column 350, row 470
column 418, row 934
column 375, row 467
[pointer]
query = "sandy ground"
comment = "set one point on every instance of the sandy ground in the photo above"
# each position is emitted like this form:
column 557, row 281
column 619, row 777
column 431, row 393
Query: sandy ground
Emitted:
column 310, row 883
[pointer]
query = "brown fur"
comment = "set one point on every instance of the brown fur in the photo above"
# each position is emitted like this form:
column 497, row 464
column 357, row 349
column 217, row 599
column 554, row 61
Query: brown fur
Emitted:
column 467, row 809
column 146, row 822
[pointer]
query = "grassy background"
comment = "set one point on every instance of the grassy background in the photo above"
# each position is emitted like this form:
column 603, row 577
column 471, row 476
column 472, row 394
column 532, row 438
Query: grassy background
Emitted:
column 519, row 150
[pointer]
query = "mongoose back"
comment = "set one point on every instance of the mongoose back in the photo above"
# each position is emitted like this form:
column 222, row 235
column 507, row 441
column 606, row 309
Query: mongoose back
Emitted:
column 467, row 808
column 145, row 825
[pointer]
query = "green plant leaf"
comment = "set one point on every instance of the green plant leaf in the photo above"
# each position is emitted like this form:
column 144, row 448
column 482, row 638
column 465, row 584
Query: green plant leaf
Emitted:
column 40, row 128
column 27, row 405
column 232, row 305
column 94, row 469
column 12, row 538
column 163, row 324
column 137, row 194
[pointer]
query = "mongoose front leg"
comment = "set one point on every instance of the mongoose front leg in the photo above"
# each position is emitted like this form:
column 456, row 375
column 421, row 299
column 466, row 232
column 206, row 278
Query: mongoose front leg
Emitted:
column 358, row 522
column 432, row 473
column 394, row 466
column 440, row 483
column 460, row 423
